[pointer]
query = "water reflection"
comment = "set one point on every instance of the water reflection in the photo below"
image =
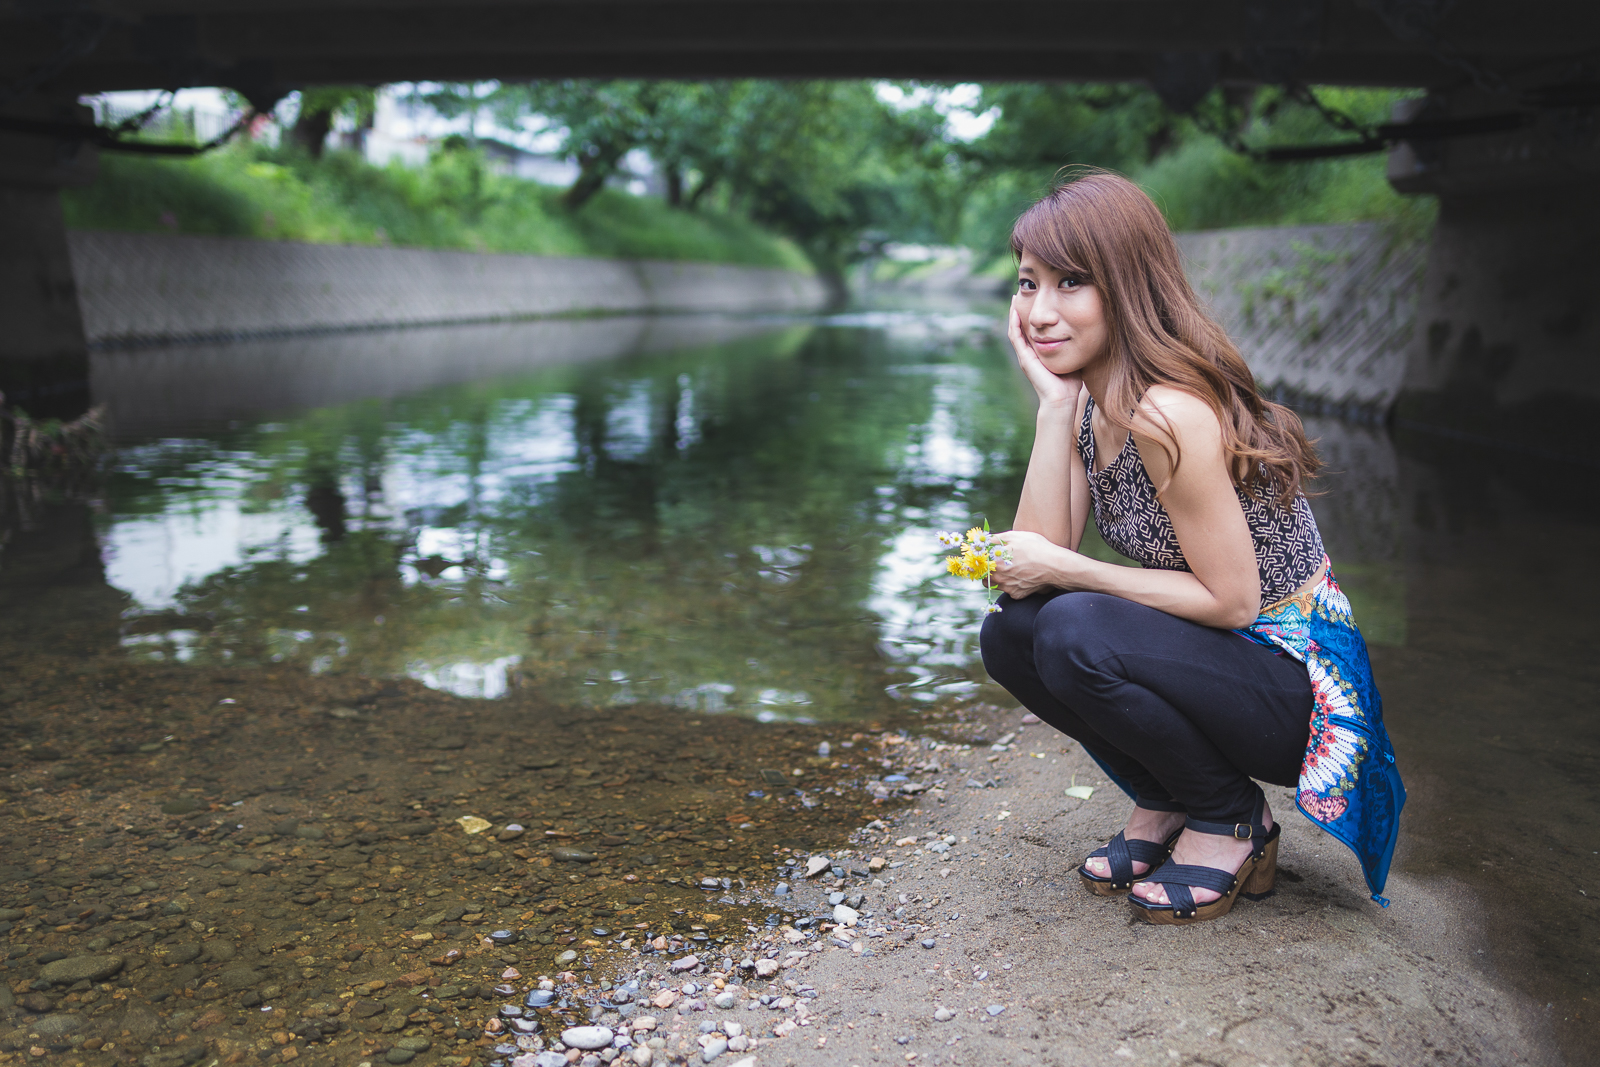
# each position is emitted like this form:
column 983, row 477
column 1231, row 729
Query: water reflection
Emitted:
column 744, row 526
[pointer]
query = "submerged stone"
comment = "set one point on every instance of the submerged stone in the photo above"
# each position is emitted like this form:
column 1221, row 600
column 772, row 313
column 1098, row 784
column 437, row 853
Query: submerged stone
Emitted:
column 80, row 969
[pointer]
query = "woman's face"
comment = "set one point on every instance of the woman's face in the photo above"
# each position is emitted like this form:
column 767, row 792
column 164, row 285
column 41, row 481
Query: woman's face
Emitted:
column 1062, row 316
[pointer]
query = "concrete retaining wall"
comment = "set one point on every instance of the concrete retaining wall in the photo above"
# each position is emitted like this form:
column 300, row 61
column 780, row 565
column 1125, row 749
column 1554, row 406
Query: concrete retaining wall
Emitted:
column 142, row 288
column 1328, row 312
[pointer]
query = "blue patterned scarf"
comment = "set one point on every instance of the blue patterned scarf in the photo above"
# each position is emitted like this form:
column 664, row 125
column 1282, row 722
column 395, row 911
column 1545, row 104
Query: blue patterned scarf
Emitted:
column 1349, row 784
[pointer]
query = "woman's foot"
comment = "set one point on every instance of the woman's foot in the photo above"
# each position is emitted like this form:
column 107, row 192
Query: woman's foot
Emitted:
column 1202, row 850
column 1143, row 825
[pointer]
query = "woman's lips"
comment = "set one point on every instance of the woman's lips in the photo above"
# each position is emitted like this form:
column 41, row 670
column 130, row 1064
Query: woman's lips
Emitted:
column 1049, row 342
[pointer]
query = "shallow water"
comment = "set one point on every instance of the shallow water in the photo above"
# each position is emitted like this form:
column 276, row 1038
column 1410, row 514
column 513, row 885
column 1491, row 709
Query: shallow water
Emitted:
column 672, row 555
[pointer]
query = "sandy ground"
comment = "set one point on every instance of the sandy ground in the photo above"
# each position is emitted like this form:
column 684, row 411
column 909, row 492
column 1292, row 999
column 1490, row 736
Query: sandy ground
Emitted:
column 1315, row 974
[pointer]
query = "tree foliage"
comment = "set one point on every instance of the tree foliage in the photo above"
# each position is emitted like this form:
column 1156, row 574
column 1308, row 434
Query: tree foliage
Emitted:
column 821, row 162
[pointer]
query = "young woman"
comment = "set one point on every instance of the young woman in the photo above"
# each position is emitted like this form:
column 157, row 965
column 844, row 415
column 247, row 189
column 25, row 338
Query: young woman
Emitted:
column 1230, row 654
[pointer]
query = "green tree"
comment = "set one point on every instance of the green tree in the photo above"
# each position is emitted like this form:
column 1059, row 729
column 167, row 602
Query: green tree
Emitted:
column 320, row 105
column 824, row 163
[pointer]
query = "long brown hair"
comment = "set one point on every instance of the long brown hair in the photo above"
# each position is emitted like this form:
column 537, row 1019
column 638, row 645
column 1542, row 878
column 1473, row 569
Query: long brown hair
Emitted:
column 1104, row 229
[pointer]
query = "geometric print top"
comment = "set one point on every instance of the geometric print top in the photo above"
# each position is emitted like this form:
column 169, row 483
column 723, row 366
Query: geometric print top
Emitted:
column 1132, row 521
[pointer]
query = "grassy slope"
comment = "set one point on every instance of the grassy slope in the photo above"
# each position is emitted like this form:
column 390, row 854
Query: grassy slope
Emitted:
column 453, row 202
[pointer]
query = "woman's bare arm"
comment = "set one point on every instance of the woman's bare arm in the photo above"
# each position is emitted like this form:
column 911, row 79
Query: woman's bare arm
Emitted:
column 1223, row 586
column 1055, row 492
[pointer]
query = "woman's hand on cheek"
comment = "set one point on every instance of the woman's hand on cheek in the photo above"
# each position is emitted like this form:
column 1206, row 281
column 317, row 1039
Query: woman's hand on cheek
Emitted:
column 1035, row 564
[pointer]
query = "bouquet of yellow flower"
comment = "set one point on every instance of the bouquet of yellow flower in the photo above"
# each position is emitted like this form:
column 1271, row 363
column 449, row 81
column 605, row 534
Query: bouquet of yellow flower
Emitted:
column 980, row 555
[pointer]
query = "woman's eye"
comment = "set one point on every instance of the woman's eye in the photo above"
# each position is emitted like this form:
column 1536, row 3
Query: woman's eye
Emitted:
column 1025, row 285
column 1070, row 283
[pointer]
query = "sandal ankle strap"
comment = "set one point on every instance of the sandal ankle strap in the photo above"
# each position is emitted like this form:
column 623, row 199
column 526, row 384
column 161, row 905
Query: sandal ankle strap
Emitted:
column 1239, row 831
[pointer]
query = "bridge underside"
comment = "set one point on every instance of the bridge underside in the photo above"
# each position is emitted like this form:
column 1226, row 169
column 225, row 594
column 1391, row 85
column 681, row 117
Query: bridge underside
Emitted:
column 263, row 47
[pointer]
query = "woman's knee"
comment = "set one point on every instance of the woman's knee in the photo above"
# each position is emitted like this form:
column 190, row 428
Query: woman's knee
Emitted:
column 1006, row 637
column 1077, row 632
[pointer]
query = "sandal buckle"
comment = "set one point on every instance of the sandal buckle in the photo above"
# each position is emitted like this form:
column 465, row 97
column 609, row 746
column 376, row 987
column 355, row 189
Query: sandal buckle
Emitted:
column 1248, row 831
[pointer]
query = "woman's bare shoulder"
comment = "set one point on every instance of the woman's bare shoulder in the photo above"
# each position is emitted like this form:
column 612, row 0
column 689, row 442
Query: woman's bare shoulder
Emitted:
column 1167, row 412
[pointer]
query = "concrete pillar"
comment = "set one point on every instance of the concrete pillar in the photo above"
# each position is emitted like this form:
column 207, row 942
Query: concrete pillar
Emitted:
column 44, row 362
column 1507, row 344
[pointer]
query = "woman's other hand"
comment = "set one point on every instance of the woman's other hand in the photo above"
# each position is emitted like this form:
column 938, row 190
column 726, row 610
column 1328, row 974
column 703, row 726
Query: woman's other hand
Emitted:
column 1036, row 563
column 1055, row 390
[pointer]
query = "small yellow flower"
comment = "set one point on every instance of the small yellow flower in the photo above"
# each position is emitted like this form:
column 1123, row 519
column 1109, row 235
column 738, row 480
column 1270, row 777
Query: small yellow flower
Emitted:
column 975, row 565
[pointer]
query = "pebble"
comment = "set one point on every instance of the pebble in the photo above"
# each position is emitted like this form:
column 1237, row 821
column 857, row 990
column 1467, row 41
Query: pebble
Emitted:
column 835, row 898
column 995, row 1009
column 80, row 969
column 766, row 968
column 59, row 1024
column 568, row 854
column 588, row 1038
column 815, row 865
column 782, row 890
column 688, row 963
column 845, row 915
column 180, row 806
column 505, row 937
column 567, row 956
column 11, row 914
column 713, row 1048
column 725, row 999
column 928, row 942
column 943, row 1015
column 399, row 1055
column 540, row 998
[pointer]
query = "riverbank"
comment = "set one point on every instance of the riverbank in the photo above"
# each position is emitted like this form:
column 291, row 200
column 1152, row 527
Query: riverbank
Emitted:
column 397, row 882
column 136, row 289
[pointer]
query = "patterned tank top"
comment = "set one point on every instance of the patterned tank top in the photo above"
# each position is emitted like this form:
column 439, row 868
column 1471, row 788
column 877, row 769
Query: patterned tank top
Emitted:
column 1133, row 522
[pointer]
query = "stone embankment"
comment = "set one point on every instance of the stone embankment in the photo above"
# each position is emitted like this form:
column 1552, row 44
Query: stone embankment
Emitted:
column 154, row 288
column 1324, row 312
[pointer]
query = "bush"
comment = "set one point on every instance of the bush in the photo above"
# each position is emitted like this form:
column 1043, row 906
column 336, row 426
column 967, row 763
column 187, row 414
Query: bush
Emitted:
column 454, row 201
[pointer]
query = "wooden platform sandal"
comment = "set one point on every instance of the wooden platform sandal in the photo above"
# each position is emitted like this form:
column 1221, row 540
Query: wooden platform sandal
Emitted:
column 1121, row 854
column 1254, row 879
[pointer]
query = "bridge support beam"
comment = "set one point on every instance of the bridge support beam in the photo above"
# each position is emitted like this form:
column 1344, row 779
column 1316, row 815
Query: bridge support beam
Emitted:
column 1508, row 329
column 44, row 362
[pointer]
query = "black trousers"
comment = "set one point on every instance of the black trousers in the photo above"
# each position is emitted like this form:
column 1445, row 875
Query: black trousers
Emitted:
column 1187, row 714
